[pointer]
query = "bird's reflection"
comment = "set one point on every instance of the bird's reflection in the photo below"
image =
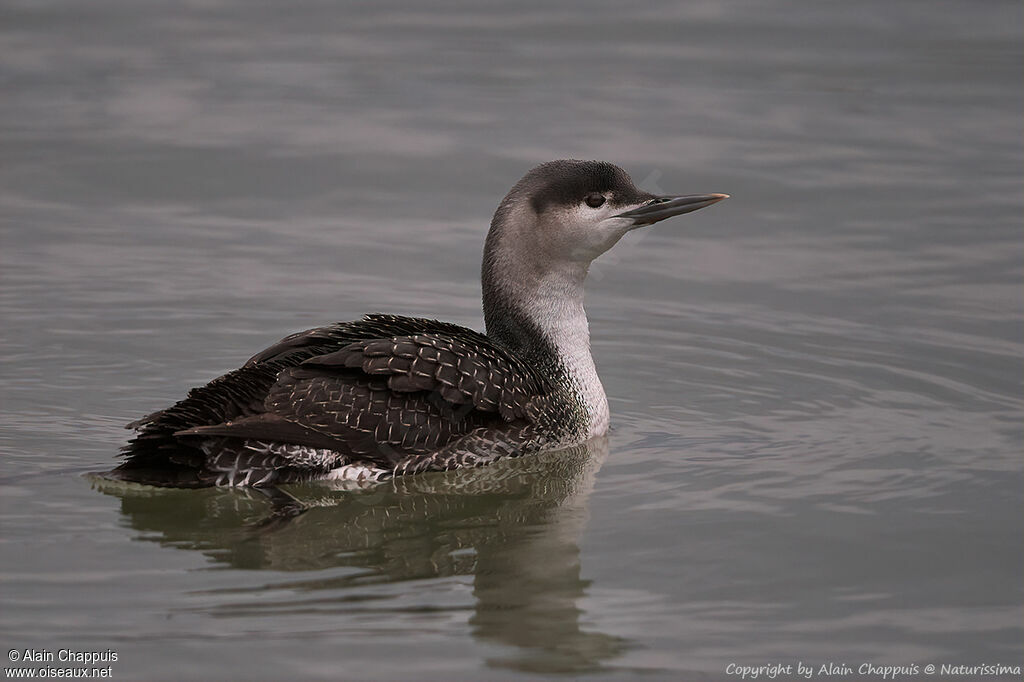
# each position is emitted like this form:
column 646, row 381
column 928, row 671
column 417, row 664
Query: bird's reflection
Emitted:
column 514, row 526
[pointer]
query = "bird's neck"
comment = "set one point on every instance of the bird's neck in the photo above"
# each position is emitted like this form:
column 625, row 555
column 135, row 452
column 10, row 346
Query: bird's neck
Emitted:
column 540, row 317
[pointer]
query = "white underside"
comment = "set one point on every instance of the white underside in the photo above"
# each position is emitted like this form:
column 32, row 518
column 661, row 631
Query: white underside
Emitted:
column 355, row 472
column 588, row 385
column 564, row 322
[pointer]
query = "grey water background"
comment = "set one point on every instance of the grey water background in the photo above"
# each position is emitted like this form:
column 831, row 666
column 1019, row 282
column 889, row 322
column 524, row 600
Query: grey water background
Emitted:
column 816, row 386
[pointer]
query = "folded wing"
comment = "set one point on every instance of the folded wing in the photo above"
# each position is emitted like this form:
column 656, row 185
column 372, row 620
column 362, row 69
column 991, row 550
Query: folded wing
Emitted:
column 379, row 390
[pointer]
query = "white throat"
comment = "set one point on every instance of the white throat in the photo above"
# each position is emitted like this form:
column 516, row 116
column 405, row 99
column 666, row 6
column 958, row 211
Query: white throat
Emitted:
column 556, row 307
column 530, row 266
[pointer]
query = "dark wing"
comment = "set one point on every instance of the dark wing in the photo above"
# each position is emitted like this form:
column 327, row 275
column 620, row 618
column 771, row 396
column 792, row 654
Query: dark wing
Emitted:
column 237, row 394
column 377, row 390
column 374, row 326
column 383, row 400
column 460, row 370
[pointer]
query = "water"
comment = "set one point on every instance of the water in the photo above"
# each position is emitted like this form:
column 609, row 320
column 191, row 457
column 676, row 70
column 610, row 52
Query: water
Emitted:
column 816, row 386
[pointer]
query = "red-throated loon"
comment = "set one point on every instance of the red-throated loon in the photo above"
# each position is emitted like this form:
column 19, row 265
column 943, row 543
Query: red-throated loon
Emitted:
column 387, row 395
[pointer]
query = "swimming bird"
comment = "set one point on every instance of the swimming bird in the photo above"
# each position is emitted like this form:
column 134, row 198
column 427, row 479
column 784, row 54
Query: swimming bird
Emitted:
column 386, row 395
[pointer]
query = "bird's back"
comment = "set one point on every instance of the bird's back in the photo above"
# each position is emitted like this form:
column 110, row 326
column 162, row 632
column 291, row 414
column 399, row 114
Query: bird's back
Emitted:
column 370, row 398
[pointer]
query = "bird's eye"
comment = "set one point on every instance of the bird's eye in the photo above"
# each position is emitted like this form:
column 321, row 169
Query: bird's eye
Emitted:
column 594, row 200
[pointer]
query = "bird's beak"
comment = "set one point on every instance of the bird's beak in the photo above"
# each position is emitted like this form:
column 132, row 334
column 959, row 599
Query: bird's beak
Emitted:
column 659, row 208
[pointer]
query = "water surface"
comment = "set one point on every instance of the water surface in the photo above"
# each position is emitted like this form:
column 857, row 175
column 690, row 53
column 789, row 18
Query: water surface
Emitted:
column 816, row 386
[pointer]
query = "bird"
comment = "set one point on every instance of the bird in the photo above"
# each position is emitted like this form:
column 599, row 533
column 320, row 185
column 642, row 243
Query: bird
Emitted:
column 388, row 395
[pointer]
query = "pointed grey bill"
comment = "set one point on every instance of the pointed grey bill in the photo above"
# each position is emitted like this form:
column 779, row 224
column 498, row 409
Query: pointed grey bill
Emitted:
column 660, row 208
